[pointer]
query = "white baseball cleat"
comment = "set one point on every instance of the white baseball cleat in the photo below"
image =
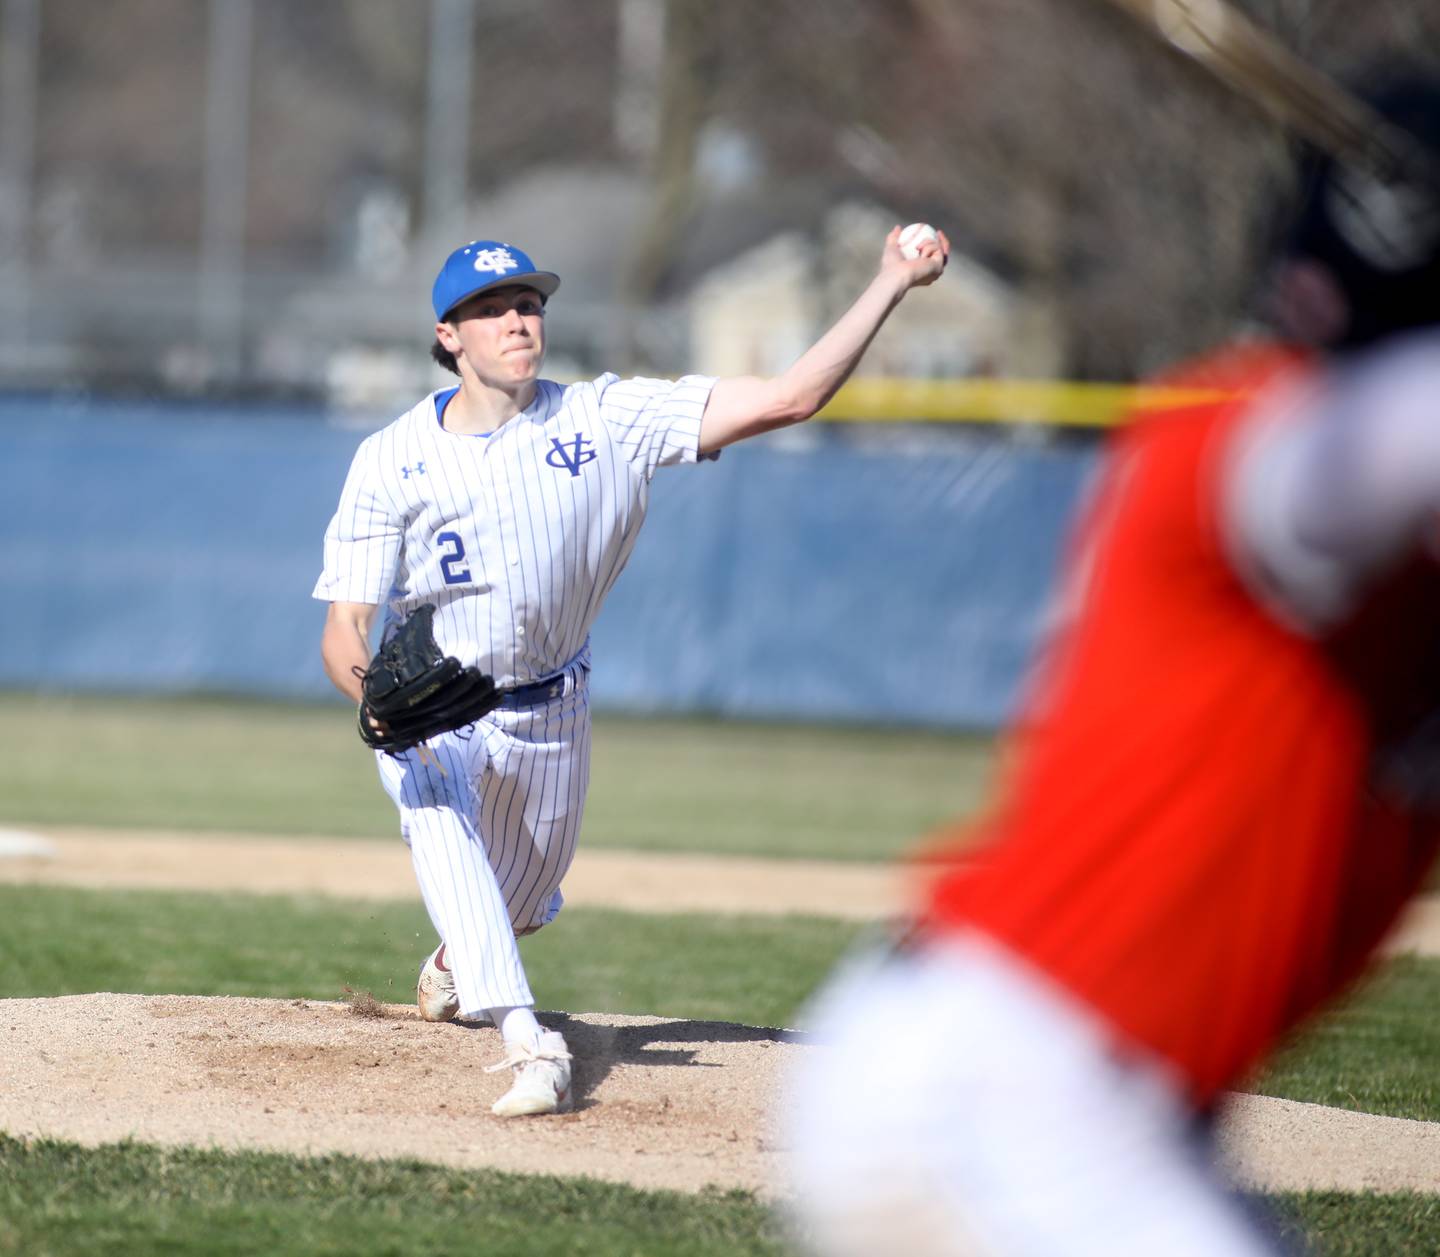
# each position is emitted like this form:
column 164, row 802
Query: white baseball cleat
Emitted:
column 435, row 991
column 542, row 1077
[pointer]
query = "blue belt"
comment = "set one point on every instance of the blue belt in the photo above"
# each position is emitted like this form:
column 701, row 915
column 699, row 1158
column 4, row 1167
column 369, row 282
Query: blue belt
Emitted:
column 534, row 695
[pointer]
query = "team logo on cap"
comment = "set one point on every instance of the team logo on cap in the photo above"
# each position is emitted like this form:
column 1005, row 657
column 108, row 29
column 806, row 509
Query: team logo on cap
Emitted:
column 497, row 260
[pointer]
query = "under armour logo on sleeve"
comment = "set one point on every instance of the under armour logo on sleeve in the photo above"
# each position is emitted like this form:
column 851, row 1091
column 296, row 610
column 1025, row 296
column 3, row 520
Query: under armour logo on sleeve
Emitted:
column 572, row 454
column 418, row 469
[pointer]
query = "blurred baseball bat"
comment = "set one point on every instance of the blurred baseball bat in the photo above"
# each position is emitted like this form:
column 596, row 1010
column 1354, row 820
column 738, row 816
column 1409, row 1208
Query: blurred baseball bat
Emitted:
column 1251, row 62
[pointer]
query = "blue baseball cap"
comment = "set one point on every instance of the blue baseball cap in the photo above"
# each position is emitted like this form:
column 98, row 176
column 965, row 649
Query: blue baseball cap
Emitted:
column 483, row 264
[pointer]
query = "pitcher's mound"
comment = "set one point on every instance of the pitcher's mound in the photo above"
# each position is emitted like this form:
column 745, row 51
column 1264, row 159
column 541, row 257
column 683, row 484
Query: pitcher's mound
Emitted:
column 658, row 1103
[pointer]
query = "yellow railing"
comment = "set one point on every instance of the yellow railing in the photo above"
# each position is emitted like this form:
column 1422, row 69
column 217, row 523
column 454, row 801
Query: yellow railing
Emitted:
column 1061, row 402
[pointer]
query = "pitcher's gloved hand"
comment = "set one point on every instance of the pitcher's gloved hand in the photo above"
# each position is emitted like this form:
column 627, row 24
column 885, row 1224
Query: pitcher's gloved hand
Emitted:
column 412, row 691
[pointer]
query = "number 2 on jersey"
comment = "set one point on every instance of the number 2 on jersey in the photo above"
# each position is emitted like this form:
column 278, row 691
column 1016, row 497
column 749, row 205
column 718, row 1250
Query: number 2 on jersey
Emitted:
column 451, row 564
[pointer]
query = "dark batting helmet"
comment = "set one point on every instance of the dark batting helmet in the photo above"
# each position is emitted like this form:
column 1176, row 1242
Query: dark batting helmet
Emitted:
column 1377, row 230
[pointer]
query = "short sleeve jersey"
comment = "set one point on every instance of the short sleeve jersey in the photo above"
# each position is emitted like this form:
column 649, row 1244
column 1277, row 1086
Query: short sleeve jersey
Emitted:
column 1191, row 841
column 516, row 536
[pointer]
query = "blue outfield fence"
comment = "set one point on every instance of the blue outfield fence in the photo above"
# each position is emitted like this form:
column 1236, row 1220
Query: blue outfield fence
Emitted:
column 169, row 548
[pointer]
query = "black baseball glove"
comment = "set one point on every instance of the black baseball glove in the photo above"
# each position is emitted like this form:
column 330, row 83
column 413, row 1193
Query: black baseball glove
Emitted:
column 415, row 692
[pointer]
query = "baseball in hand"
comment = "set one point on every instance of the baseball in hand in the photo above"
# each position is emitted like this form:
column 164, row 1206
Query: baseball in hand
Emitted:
column 913, row 237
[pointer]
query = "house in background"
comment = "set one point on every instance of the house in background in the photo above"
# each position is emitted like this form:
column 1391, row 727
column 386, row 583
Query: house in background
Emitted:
column 756, row 312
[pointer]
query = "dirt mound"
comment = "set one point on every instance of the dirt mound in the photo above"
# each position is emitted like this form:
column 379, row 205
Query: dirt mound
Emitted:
column 660, row 1103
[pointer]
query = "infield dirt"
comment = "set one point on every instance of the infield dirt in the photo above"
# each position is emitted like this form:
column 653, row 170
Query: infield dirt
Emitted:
column 377, row 869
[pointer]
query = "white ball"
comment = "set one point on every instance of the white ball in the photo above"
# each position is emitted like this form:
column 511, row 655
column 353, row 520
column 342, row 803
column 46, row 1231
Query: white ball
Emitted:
column 912, row 237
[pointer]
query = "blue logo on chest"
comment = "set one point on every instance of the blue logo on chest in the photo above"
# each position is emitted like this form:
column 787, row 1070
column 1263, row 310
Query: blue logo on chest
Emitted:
column 572, row 454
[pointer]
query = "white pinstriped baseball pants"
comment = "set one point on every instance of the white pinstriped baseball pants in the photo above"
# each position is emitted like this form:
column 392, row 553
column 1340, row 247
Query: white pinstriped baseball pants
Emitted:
column 492, row 835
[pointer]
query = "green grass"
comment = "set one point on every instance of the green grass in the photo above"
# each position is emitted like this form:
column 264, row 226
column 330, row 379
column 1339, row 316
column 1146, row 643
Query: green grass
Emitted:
column 186, row 764
column 676, row 785
column 1378, row 1052
column 134, row 1200
column 778, row 790
column 59, row 1200
column 1354, row 1224
column 55, row 941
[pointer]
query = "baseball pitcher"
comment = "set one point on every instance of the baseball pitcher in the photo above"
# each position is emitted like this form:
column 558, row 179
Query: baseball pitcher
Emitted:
column 490, row 521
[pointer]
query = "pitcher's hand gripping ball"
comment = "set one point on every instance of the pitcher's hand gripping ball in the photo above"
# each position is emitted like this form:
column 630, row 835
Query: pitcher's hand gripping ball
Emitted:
column 913, row 237
column 413, row 692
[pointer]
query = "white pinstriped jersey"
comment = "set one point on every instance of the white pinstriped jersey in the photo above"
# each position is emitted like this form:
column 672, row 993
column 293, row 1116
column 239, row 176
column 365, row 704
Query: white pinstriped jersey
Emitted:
column 517, row 536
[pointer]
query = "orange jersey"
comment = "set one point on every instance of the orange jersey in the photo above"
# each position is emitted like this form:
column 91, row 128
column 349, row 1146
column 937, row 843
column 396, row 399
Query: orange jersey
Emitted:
column 1189, row 842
